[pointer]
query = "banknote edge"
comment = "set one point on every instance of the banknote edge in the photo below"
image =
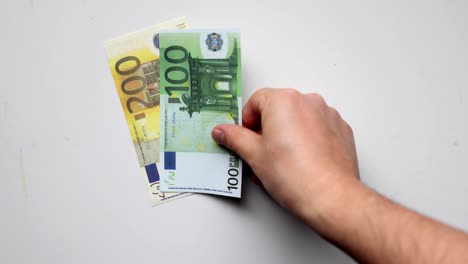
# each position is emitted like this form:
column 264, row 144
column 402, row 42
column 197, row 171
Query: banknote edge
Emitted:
column 173, row 198
column 108, row 42
column 197, row 30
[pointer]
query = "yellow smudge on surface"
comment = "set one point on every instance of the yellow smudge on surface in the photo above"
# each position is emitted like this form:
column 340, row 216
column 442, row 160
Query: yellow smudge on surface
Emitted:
column 23, row 175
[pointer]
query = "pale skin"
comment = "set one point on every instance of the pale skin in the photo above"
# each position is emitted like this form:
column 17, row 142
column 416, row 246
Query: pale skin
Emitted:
column 309, row 166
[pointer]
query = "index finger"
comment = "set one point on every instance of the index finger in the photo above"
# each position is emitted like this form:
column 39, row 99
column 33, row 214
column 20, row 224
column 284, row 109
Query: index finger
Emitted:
column 252, row 112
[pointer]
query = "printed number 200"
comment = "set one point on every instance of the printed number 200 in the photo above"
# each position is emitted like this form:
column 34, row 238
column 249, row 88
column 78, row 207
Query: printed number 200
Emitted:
column 130, row 79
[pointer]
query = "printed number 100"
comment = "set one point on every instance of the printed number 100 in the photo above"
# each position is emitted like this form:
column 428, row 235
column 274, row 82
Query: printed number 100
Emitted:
column 232, row 180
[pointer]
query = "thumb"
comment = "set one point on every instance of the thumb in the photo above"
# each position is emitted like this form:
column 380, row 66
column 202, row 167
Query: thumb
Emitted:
column 240, row 140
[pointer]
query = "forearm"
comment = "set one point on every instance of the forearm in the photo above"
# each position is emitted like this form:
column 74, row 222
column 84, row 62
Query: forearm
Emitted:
column 373, row 229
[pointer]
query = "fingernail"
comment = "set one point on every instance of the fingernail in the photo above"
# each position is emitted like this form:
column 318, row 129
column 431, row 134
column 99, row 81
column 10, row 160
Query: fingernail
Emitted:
column 218, row 136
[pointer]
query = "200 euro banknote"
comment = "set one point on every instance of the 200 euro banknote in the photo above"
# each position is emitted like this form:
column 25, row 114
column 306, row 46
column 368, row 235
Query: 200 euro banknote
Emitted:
column 134, row 63
column 200, row 88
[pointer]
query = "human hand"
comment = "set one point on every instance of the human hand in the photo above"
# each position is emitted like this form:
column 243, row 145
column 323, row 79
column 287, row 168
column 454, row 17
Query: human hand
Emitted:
column 301, row 150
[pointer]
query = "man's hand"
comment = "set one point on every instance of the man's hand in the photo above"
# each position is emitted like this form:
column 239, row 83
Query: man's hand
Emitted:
column 301, row 149
column 303, row 153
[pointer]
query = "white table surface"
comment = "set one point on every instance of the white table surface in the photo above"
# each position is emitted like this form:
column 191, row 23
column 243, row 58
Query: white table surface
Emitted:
column 396, row 70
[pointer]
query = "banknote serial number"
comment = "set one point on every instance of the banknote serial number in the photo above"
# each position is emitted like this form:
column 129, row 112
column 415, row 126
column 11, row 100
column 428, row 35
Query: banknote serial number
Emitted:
column 233, row 172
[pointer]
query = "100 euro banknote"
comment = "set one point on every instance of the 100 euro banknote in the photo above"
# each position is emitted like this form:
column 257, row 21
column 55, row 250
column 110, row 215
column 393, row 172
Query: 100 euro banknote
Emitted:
column 200, row 88
column 134, row 63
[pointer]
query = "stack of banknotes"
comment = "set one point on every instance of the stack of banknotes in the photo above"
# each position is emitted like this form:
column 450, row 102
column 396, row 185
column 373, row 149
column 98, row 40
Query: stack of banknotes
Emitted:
column 175, row 84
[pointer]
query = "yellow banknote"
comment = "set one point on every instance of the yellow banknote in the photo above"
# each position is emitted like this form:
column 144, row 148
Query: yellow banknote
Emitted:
column 134, row 63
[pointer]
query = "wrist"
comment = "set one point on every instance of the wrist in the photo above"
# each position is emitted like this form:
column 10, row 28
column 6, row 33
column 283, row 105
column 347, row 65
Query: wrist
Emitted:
column 337, row 207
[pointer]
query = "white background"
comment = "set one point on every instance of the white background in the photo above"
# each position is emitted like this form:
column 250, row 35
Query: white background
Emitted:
column 396, row 70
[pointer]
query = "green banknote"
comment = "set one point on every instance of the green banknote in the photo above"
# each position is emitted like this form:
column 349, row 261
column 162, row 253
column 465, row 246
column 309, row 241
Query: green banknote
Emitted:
column 200, row 88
